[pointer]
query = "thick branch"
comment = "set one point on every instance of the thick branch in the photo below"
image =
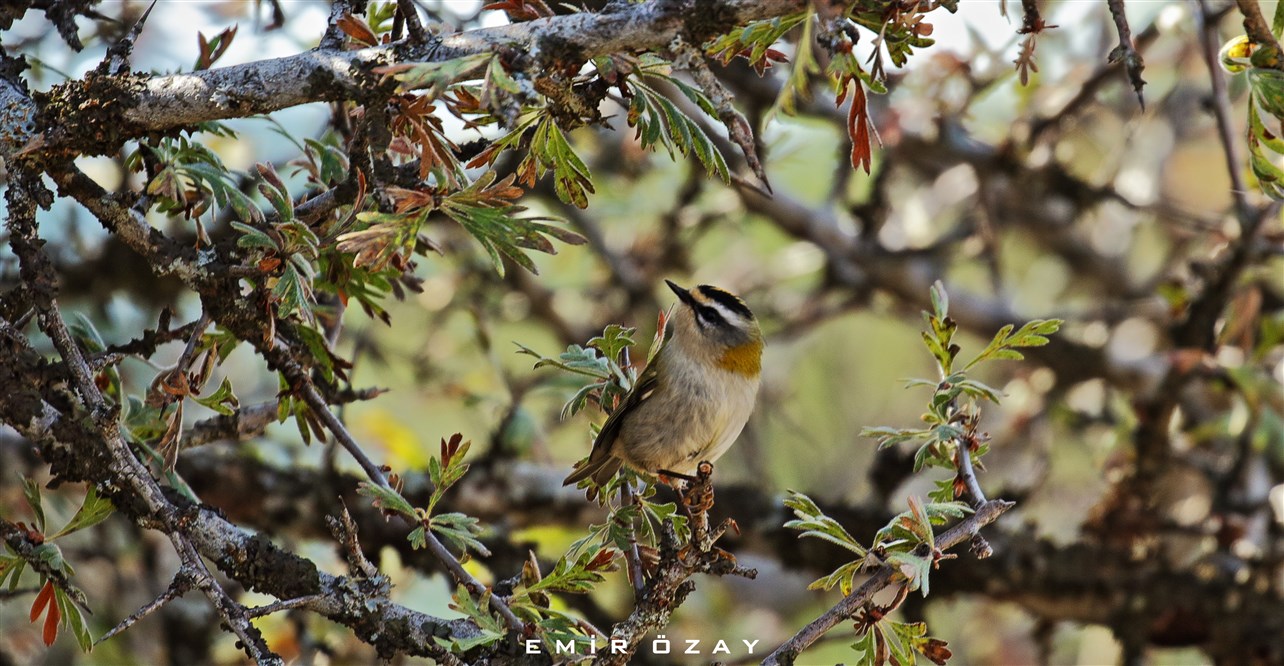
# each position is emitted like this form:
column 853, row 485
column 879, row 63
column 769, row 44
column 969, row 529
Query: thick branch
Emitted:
column 137, row 104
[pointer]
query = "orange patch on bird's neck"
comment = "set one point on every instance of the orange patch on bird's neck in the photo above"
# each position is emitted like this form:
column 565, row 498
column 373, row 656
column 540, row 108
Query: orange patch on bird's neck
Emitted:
column 743, row 359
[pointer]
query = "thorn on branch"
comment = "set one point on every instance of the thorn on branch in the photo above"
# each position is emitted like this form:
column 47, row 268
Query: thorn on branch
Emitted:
column 632, row 556
column 344, row 530
column 288, row 604
column 1126, row 52
column 116, row 61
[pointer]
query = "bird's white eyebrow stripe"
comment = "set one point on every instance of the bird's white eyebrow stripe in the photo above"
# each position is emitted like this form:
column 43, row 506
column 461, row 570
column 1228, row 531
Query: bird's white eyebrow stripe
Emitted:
column 727, row 313
column 710, row 294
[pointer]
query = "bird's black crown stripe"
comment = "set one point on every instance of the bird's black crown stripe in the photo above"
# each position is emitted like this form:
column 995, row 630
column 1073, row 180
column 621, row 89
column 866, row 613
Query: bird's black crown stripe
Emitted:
column 726, row 300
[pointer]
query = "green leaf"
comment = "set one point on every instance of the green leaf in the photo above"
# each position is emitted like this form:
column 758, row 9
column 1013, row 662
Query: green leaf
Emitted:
column 813, row 522
column 436, row 77
column 445, row 476
column 253, row 238
column 888, row 436
column 93, row 510
column 32, row 491
column 83, row 330
column 221, row 400
column 844, row 577
column 499, row 77
column 865, row 648
column 460, row 530
column 613, row 340
column 940, row 300
column 483, row 209
column 319, row 350
column 478, row 610
column 387, row 499
column 550, row 150
column 577, row 359
column 462, row 645
column 915, row 569
column 798, row 85
column 1268, row 88
column 14, row 571
column 756, row 37
column 73, row 619
column 659, row 121
column 274, row 190
column 293, row 293
column 568, row 577
column 1004, row 343
column 979, row 390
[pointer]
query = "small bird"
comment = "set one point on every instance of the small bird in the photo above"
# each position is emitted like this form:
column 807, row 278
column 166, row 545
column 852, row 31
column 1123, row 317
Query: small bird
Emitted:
column 693, row 399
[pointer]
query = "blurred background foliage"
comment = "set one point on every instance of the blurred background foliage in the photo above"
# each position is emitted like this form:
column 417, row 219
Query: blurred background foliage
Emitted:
column 1060, row 198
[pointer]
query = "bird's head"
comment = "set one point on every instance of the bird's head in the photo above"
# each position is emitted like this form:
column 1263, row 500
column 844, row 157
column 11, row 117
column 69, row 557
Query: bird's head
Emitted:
column 715, row 326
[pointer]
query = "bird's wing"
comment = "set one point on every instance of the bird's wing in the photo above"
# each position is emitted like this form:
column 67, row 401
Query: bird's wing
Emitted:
column 642, row 389
column 602, row 453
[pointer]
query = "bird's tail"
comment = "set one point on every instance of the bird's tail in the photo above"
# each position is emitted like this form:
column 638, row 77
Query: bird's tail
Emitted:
column 601, row 466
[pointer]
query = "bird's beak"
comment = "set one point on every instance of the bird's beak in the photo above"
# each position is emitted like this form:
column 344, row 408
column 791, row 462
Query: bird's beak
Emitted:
column 683, row 294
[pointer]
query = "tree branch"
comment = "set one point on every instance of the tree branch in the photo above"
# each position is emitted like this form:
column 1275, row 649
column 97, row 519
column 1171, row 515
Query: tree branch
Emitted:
column 788, row 652
column 145, row 105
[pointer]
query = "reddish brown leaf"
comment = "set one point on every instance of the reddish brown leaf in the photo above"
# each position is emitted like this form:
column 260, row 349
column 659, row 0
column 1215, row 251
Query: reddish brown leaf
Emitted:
column 50, row 632
column 602, row 561
column 521, row 10
column 936, row 651
column 858, row 126
column 42, row 600
column 358, row 30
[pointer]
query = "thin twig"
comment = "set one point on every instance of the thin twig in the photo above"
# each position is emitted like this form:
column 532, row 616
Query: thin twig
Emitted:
column 178, row 587
column 189, row 351
column 632, row 555
column 1126, row 52
column 289, row 604
column 788, row 652
column 334, row 36
column 242, row 424
column 969, row 474
column 322, row 411
column 1222, row 112
column 432, row 543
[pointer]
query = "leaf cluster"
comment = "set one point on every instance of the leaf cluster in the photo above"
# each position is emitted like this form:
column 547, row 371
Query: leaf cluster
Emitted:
column 660, row 122
column 953, row 411
column 603, row 360
column 1265, row 77
column 188, row 178
column 898, row 643
column 444, row 471
column 58, row 601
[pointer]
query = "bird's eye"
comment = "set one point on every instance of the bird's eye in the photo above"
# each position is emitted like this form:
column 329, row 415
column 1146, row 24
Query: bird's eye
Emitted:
column 707, row 316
